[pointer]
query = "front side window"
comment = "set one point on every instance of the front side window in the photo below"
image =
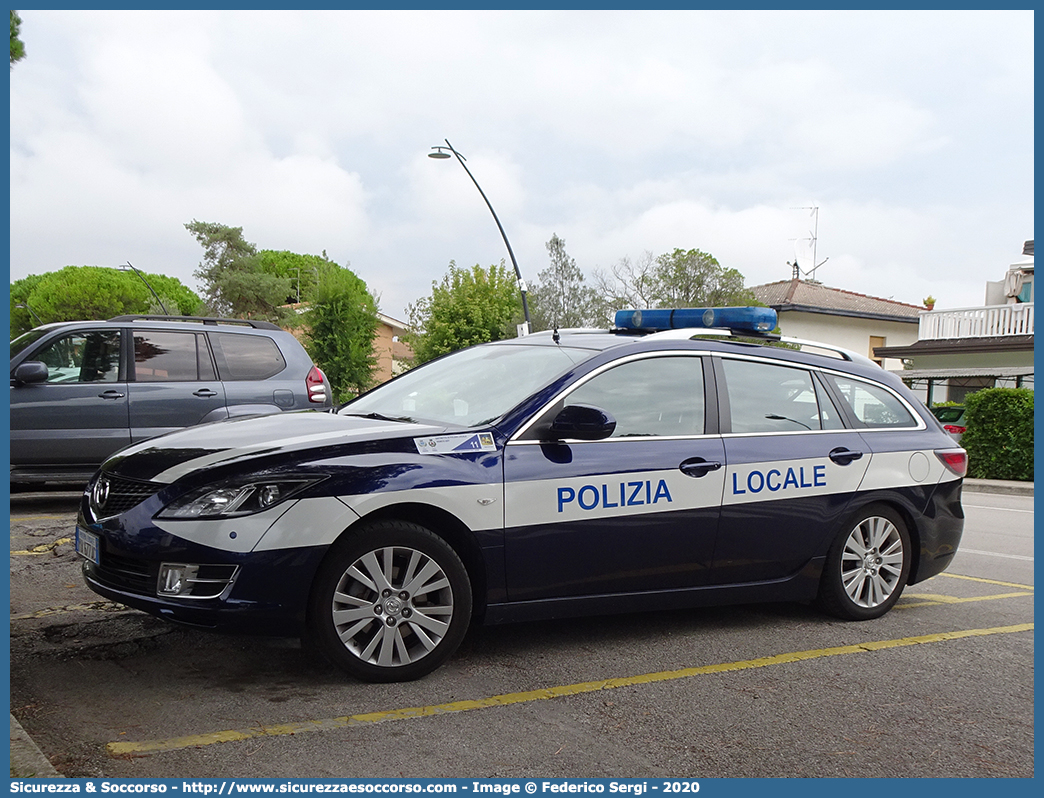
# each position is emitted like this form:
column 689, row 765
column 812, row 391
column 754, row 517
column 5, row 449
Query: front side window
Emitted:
column 872, row 405
column 657, row 396
column 765, row 397
column 83, row 357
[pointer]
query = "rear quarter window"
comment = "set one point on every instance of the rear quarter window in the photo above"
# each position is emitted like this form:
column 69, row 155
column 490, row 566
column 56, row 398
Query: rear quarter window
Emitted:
column 874, row 406
column 246, row 357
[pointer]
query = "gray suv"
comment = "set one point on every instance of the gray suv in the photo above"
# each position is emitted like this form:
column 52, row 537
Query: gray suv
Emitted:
column 82, row 390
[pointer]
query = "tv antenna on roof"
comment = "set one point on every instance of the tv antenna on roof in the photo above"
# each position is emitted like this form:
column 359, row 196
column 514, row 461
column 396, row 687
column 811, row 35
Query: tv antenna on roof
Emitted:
column 813, row 237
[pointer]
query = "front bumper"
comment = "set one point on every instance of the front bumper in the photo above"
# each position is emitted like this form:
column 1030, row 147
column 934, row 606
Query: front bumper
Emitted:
column 269, row 594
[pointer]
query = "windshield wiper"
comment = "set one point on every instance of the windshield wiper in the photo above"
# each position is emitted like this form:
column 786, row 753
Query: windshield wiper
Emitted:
column 381, row 417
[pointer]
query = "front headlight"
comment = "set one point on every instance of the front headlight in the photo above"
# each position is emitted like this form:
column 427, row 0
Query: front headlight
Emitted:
column 233, row 499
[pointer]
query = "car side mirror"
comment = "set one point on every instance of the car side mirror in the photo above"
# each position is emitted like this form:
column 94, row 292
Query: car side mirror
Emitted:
column 582, row 422
column 29, row 372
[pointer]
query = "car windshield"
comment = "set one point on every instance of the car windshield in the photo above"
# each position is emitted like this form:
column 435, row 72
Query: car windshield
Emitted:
column 467, row 388
column 25, row 339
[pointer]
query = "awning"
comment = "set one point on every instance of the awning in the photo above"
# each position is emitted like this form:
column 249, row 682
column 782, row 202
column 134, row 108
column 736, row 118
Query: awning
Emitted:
column 958, row 373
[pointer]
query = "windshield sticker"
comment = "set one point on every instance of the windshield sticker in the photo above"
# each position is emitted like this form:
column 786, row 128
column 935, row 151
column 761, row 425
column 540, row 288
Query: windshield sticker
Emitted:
column 446, row 444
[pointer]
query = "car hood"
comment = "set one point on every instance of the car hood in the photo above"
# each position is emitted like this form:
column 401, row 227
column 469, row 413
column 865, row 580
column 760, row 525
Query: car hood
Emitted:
column 169, row 457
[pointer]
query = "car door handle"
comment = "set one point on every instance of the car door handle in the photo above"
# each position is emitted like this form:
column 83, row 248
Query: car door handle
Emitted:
column 843, row 456
column 205, row 393
column 111, row 395
column 698, row 467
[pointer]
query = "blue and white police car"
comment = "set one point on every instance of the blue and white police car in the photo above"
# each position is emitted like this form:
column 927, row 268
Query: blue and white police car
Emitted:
column 653, row 465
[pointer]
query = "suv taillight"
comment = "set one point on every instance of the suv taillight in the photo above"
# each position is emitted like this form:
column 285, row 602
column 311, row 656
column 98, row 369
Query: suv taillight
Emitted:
column 316, row 384
column 954, row 429
column 954, row 459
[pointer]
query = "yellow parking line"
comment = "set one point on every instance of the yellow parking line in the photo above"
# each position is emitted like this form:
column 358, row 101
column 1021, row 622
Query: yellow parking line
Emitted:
column 927, row 599
column 987, row 581
column 105, row 606
column 43, row 548
column 191, row 741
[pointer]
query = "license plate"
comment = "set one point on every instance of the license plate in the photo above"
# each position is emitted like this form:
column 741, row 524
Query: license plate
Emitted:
column 87, row 545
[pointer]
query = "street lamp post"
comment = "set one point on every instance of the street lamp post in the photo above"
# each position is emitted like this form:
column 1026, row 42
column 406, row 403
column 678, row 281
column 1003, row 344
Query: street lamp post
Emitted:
column 154, row 294
column 25, row 306
column 441, row 154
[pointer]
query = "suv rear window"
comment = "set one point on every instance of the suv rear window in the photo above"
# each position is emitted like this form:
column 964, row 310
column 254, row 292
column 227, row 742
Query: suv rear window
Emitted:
column 246, row 357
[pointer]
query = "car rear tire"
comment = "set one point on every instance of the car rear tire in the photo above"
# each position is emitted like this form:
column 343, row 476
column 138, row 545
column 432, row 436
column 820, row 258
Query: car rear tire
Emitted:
column 867, row 566
column 390, row 603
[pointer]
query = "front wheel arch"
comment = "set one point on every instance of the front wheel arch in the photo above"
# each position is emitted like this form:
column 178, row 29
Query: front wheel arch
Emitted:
column 452, row 530
column 391, row 601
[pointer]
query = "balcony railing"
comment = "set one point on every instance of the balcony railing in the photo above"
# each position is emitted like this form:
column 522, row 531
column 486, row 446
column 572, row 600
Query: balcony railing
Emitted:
column 991, row 321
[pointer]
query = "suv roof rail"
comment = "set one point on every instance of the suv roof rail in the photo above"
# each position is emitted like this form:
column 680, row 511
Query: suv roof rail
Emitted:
column 215, row 320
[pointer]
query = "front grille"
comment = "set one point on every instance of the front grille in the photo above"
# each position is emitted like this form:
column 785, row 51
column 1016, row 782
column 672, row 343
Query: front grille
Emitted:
column 126, row 573
column 112, row 495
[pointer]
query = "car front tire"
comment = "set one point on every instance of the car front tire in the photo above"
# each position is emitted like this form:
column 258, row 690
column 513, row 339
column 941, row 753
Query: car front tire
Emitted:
column 867, row 566
column 390, row 603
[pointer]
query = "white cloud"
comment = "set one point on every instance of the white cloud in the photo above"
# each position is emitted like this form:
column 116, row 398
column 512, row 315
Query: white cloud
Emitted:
column 619, row 131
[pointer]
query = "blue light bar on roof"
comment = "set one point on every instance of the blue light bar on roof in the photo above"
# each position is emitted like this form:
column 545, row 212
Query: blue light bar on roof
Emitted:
column 754, row 320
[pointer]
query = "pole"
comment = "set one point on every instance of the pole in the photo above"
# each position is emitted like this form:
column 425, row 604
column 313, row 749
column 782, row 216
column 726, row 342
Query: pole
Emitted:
column 518, row 274
column 158, row 300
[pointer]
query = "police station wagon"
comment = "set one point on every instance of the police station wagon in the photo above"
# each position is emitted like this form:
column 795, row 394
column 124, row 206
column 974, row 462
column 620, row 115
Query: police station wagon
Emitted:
column 653, row 465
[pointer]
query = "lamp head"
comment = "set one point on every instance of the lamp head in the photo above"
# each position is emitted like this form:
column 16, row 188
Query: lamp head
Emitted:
column 439, row 154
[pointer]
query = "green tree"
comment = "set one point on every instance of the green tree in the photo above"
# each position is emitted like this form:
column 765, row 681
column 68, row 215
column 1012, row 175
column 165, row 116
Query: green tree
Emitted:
column 470, row 306
column 93, row 292
column 560, row 298
column 301, row 270
column 178, row 299
column 22, row 318
column 343, row 323
column 682, row 278
column 17, row 47
column 234, row 282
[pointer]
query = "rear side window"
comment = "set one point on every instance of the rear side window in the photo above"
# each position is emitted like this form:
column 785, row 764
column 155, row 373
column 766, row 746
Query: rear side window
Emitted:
column 658, row 396
column 872, row 405
column 764, row 397
column 246, row 357
column 166, row 357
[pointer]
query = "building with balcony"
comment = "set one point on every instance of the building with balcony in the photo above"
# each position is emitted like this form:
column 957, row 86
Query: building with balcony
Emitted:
column 959, row 351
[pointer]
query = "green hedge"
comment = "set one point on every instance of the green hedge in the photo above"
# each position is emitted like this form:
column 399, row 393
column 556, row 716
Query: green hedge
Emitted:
column 999, row 438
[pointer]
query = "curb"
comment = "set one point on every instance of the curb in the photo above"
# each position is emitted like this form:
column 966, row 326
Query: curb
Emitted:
column 1002, row 486
column 27, row 760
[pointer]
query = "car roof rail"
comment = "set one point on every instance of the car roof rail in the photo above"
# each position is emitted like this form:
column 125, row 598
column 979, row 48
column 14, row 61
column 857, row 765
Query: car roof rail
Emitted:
column 846, row 354
column 688, row 334
column 215, row 320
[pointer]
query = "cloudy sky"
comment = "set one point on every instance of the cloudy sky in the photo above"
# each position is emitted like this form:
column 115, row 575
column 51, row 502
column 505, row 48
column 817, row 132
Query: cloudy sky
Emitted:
column 623, row 132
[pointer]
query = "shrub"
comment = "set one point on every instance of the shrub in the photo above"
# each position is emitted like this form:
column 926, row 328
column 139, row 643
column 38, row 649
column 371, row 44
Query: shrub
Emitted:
column 999, row 438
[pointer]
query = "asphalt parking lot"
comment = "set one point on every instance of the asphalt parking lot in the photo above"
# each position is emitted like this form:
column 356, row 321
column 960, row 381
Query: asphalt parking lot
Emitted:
column 942, row 686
